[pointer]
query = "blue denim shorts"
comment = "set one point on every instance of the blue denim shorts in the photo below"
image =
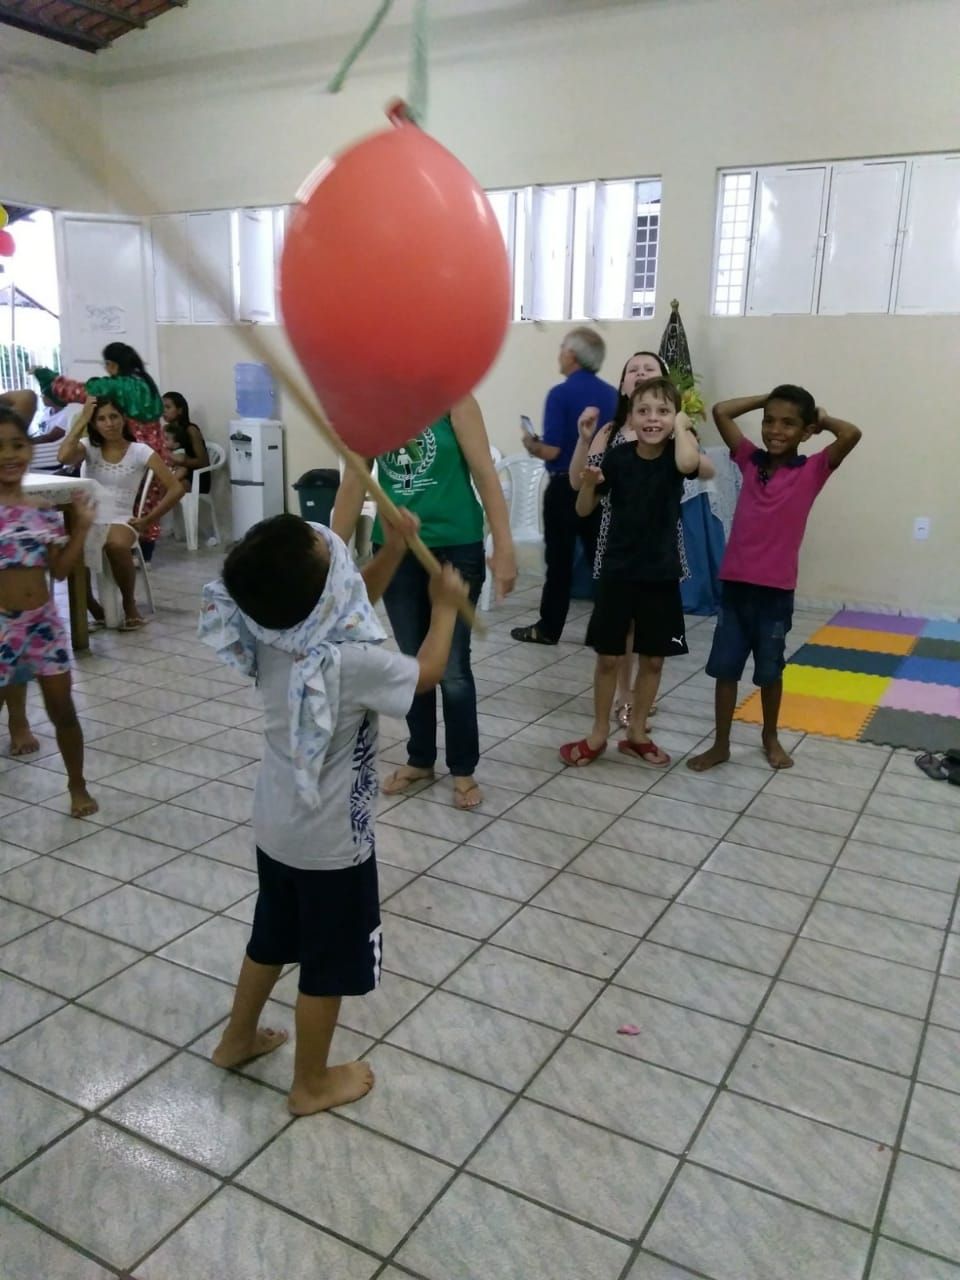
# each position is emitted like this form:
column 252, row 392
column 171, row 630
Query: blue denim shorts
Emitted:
column 753, row 620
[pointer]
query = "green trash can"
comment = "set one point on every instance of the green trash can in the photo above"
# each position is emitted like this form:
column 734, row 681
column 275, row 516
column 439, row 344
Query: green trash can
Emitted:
column 317, row 491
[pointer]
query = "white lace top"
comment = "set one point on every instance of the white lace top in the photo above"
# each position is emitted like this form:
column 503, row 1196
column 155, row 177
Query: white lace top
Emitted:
column 119, row 482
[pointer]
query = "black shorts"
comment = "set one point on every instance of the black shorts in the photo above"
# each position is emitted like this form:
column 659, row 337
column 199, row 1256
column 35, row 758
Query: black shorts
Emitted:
column 328, row 922
column 753, row 620
column 653, row 609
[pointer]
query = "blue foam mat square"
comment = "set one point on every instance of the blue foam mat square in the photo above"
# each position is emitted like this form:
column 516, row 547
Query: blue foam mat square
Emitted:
column 860, row 661
column 930, row 671
column 941, row 629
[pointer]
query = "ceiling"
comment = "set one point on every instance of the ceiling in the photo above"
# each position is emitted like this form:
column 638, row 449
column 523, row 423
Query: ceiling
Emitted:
column 90, row 25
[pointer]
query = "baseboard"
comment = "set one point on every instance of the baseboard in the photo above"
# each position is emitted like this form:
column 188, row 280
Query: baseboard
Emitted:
column 871, row 606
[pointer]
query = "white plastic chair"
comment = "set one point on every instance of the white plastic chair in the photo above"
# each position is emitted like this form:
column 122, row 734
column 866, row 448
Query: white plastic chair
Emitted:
column 45, row 456
column 523, row 479
column 189, row 505
column 107, row 589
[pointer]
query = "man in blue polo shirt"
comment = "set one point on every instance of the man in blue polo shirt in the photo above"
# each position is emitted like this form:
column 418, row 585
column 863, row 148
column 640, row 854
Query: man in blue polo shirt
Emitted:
column 581, row 355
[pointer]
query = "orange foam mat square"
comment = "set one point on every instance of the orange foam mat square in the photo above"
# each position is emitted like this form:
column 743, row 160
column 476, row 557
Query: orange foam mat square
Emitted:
column 805, row 714
column 869, row 641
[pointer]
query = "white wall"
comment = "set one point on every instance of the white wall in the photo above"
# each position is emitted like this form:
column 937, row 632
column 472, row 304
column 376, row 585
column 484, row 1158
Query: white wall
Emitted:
column 50, row 138
column 671, row 87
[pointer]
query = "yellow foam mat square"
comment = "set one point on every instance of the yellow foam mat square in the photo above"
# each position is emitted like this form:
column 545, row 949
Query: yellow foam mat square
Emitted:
column 869, row 641
column 844, row 686
column 828, row 716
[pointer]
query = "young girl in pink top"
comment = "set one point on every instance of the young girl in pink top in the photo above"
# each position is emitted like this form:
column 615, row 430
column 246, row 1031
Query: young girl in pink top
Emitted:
column 33, row 640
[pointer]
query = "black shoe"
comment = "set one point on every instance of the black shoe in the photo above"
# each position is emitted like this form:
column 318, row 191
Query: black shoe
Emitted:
column 530, row 635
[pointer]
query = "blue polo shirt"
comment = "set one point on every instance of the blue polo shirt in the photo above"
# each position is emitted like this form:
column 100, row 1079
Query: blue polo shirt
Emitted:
column 564, row 405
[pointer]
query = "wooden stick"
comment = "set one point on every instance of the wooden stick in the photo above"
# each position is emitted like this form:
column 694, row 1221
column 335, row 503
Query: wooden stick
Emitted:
column 133, row 194
column 358, row 466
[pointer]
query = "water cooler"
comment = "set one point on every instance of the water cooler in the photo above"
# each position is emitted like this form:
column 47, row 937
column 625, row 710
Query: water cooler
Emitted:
column 256, row 472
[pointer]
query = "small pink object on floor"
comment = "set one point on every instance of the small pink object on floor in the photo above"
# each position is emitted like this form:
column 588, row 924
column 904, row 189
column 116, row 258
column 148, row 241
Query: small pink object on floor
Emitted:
column 628, row 1029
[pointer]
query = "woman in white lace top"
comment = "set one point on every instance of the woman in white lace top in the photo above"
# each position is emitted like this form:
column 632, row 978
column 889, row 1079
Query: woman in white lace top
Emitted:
column 118, row 464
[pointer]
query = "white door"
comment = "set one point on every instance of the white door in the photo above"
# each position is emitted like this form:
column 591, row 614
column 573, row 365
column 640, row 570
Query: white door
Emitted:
column 105, row 271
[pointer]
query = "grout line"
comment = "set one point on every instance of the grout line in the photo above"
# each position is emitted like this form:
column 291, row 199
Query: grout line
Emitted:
column 463, row 844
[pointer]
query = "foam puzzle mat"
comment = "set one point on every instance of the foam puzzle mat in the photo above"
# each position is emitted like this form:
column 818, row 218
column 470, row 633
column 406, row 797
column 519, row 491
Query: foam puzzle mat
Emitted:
column 874, row 677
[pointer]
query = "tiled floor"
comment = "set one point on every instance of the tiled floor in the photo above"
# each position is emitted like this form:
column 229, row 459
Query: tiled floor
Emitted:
column 787, row 945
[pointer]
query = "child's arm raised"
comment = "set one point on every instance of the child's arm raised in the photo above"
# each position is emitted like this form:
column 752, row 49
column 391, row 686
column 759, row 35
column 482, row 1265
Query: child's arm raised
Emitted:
column 726, row 411
column 847, row 437
column 589, row 440
column 448, row 592
column 378, row 572
column 60, row 560
column 21, row 402
column 587, row 496
column 686, row 446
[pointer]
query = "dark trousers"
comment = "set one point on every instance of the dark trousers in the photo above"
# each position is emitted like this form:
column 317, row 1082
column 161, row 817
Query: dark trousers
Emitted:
column 561, row 529
column 407, row 600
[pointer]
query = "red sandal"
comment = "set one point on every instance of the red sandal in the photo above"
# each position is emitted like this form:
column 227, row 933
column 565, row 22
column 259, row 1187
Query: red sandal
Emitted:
column 585, row 754
column 644, row 750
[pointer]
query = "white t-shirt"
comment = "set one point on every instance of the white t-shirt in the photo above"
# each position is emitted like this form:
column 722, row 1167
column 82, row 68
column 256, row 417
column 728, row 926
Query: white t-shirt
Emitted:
column 373, row 681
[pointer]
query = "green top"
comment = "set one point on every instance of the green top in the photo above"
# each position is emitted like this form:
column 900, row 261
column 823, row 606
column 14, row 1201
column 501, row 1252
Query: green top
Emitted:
column 134, row 396
column 430, row 477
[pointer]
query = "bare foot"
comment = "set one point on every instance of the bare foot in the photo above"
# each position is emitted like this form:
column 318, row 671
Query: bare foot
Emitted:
column 709, row 759
column 466, row 793
column 340, row 1085
column 22, row 742
column 403, row 778
column 232, row 1053
column 82, row 803
column 776, row 756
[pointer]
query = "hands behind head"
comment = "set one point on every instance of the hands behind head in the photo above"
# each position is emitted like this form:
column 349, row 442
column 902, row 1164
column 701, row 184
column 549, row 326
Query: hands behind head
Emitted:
column 592, row 476
column 587, row 424
column 448, row 589
column 819, row 422
column 400, row 527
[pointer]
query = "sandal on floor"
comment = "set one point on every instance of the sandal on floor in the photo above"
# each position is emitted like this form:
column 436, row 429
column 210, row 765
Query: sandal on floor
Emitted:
column 530, row 635
column 585, row 754
column 644, row 750
column 932, row 765
column 133, row 624
column 460, row 797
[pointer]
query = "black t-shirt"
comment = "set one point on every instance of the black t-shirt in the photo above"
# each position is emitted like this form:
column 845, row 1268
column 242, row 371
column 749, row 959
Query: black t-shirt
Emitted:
column 645, row 496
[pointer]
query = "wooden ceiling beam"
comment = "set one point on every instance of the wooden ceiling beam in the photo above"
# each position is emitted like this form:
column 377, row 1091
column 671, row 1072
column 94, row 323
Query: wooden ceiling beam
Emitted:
column 65, row 35
column 105, row 11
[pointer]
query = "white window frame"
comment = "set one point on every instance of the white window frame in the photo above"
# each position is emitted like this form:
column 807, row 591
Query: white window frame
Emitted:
column 894, row 306
column 583, row 249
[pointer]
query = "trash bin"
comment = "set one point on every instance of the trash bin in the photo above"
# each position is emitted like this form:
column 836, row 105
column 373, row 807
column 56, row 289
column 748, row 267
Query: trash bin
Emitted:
column 317, row 491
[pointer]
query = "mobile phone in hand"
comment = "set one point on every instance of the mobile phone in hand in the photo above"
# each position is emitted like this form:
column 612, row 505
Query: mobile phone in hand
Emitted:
column 526, row 425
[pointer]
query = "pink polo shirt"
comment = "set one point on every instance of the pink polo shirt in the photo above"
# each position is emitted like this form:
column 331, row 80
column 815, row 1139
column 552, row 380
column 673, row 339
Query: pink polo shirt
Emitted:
column 768, row 525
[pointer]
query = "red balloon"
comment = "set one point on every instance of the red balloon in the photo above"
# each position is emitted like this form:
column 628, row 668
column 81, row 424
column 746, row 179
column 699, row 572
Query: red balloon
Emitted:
column 394, row 285
column 7, row 244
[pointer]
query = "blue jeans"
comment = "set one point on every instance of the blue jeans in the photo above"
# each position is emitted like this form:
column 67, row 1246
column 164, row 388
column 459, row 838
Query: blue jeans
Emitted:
column 407, row 600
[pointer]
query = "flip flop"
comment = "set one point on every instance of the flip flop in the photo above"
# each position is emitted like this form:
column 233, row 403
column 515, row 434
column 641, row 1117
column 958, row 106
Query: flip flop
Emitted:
column 644, row 750
column 932, row 765
column 585, row 753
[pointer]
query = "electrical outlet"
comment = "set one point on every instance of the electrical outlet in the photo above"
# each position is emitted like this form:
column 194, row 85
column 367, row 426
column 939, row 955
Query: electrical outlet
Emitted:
column 921, row 528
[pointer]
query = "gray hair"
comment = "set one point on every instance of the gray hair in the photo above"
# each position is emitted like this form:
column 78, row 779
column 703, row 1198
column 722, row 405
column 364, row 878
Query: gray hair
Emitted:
column 587, row 347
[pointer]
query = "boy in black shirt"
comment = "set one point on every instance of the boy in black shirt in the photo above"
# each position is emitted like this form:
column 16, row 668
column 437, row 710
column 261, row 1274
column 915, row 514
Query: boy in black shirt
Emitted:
column 640, row 574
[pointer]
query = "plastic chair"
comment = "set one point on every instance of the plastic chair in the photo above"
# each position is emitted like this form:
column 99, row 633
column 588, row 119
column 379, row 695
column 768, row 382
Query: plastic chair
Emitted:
column 190, row 504
column 523, row 479
column 108, row 590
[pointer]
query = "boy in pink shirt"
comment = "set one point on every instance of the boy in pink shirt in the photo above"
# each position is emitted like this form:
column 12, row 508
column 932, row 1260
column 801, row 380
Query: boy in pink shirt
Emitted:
column 759, row 569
